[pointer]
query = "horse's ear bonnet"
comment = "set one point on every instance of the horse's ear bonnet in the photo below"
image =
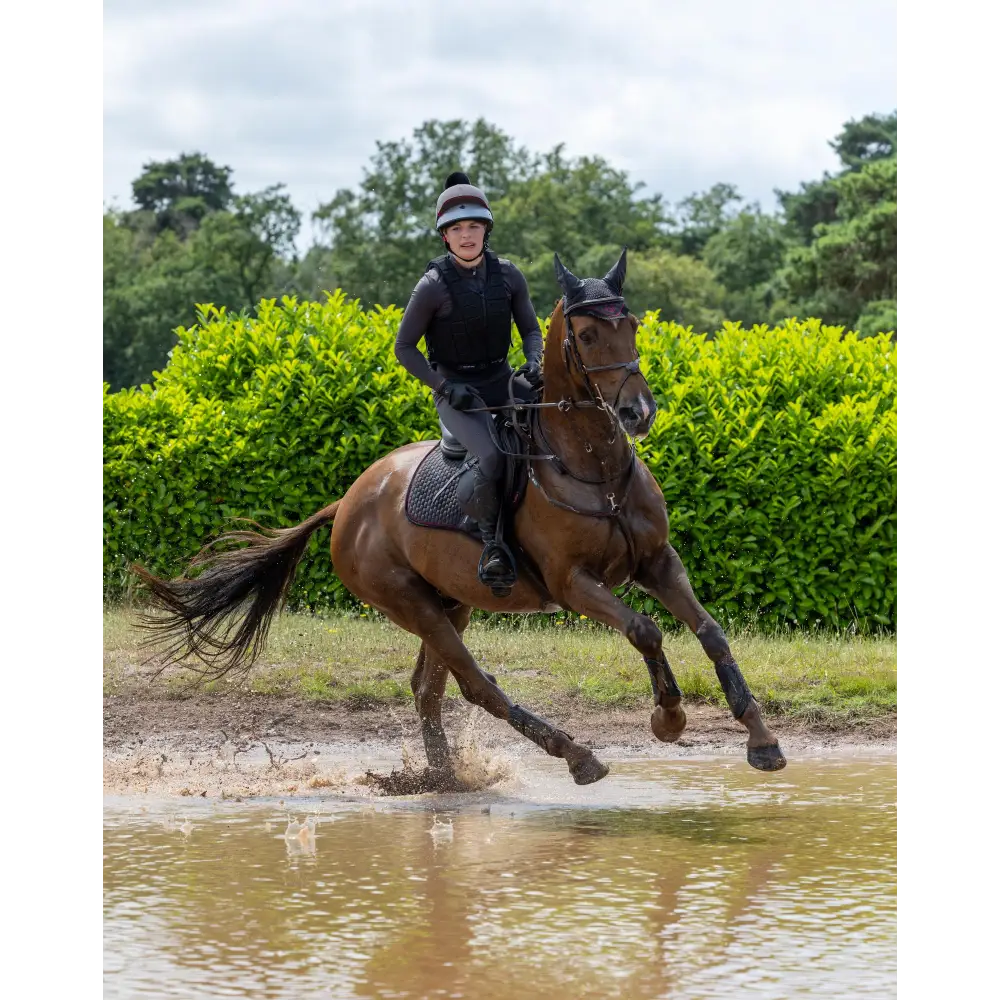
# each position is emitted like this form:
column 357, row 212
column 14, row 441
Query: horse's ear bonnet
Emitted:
column 600, row 297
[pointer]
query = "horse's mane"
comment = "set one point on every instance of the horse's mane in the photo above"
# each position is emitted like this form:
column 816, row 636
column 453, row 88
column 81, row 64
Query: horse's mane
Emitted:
column 554, row 338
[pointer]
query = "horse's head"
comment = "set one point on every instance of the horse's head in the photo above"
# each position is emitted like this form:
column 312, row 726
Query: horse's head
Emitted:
column 599, row 346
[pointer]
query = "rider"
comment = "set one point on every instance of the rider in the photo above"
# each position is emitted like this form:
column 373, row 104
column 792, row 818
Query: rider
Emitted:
column 462, row 307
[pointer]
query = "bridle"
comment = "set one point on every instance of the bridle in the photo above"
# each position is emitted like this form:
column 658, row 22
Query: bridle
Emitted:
column 531, row 432
column 572, row 350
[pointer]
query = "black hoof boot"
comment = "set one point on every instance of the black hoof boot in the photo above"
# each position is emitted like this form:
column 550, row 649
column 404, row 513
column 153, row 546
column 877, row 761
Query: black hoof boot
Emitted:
column 766, row 758
column 583, row 765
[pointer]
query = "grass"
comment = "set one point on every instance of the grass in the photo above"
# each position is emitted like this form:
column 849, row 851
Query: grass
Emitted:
column 817, row 677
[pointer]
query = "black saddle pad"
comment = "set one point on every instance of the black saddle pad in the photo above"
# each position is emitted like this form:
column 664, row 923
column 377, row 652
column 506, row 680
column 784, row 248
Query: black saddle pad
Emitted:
column 430, row 498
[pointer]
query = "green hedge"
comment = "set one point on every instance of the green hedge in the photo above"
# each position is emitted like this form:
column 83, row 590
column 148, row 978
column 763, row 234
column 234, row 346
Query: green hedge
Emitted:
column 775, row 448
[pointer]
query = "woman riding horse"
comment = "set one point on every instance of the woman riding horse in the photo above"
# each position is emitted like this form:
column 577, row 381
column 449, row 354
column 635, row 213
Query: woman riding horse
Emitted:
column 462, row 307
column 592, row 519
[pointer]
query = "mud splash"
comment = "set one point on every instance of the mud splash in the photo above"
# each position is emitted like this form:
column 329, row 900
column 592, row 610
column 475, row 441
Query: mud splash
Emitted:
column 474, row 768
column 241, row 769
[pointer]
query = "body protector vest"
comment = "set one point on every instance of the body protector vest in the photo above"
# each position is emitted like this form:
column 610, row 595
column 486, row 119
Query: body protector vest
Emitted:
column 476, row 335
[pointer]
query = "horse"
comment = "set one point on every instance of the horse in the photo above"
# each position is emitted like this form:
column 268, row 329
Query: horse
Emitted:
column 592, row 519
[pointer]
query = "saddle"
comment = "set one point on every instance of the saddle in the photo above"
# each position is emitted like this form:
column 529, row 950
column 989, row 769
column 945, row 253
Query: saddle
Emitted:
column 431, row 500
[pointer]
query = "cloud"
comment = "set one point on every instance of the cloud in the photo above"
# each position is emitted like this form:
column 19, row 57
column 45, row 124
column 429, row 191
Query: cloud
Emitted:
column 681, row 95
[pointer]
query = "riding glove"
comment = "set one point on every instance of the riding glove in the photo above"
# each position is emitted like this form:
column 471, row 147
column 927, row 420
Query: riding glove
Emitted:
column 532, row 372
column 460, row 395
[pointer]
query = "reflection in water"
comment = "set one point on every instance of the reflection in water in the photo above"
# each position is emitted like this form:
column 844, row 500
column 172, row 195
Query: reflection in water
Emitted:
column 676, row 880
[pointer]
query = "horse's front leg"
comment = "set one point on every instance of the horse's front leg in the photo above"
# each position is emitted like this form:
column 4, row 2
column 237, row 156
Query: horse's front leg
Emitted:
column 665, row 578
column 588, row 596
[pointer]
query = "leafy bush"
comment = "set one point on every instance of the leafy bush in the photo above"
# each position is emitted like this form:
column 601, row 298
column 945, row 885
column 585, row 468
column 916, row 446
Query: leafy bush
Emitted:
column 775, row 449
column 776, row 452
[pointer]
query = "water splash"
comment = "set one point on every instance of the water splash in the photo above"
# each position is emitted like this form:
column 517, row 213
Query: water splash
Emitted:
column 473, row 768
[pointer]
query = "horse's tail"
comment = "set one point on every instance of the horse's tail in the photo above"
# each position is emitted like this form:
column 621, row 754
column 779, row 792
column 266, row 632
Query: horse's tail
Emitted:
column 222, row 615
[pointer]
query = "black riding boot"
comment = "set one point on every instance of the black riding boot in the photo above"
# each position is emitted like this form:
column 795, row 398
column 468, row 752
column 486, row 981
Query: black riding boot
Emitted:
column 480, row 499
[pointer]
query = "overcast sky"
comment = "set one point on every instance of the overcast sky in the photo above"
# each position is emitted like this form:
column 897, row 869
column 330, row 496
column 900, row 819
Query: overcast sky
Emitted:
column 680, row 93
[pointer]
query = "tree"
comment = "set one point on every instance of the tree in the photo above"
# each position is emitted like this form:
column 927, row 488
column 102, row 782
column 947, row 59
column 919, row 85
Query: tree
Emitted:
column 865, row 141
column 745, row 255
column 680, row 287
column 577, row 208
column 700, row 216
column 851, row 262
column 815, row 203
column 246, row 243
column 179, row 193
column 149, row 290
column 878, row 317
column 153, row 278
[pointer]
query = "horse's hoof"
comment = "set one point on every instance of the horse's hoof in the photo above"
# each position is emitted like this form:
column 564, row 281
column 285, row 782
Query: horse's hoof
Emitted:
column 766, row 758
column 668, row 723
column 588, row 770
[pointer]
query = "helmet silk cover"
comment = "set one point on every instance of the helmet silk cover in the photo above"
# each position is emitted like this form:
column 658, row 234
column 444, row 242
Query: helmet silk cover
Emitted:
column 461, row 200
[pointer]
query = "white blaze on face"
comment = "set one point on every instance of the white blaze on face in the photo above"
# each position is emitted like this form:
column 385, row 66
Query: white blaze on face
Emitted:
column 646, row 411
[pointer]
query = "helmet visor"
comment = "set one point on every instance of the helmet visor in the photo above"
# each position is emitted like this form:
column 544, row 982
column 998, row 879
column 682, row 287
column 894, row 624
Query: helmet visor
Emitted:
column 466, row 210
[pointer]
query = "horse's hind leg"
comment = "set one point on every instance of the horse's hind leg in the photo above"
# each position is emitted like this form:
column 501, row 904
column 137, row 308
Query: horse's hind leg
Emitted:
column 430, row 676
column 666, row 579
column 415, row 606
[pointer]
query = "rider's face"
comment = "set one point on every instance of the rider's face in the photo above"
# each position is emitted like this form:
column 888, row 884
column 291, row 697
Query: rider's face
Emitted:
column 465, row 238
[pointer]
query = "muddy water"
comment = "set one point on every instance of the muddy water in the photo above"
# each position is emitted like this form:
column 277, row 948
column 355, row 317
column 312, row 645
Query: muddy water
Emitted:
column 668, row 879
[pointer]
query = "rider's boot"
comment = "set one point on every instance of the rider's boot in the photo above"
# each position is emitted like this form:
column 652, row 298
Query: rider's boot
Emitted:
column 481, row 500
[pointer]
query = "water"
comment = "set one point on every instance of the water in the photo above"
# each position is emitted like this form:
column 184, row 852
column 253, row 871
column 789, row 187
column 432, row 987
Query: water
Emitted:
column 680, row 879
